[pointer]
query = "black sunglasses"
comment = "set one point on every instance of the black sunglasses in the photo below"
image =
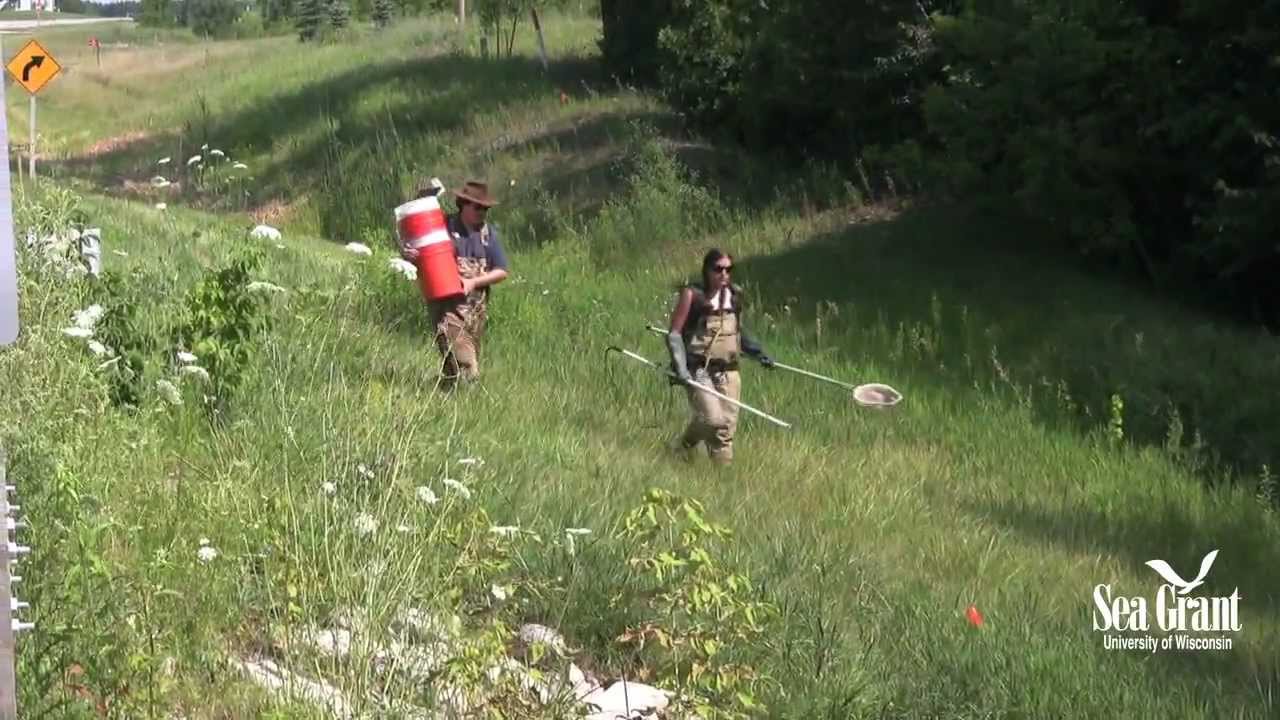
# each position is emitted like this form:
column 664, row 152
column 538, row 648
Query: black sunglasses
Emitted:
column 723, row 268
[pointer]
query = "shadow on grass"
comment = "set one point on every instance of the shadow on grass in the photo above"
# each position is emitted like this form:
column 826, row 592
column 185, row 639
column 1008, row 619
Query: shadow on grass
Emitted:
column 1166, row 532
column 999, row 292
column 433, row 96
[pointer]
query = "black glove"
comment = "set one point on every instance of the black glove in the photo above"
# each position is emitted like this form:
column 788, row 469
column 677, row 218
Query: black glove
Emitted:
column 751, row 348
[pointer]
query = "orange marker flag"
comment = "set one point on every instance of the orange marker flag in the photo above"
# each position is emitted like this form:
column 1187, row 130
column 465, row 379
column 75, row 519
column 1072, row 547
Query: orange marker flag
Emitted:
column 975, row 617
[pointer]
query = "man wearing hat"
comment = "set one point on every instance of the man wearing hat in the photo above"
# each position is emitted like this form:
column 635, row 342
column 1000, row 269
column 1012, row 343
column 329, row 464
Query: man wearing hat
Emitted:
column 460, row 322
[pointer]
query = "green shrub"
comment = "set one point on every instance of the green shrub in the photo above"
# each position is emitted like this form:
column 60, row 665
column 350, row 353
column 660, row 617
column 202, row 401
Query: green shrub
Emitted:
column 223, row 317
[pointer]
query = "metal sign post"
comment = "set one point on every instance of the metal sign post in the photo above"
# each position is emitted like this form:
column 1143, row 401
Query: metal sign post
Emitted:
column 31, row 149
column 8, row 255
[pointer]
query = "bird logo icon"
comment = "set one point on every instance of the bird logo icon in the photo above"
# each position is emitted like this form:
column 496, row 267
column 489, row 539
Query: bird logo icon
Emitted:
column 1163, row 569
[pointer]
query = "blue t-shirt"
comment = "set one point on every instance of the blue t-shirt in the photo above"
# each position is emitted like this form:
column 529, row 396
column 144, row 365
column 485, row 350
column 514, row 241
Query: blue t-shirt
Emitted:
column 474, row 247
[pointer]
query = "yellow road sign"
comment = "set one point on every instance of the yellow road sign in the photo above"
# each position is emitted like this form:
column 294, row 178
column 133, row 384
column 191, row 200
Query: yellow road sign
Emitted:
column 33, row 67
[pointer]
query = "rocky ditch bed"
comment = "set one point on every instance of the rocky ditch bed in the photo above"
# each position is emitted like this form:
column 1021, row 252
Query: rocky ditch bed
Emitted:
column 417, row 649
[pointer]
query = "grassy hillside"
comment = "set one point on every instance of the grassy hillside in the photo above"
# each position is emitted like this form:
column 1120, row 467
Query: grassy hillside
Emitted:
column 1008, row 479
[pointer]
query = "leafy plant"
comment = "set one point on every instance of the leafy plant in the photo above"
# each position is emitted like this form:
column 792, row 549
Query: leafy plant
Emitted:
column 128, row 346
column 696, row 613
column 223, row 318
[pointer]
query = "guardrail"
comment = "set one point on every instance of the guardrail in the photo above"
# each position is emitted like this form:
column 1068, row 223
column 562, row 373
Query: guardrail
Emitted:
column 10, row 624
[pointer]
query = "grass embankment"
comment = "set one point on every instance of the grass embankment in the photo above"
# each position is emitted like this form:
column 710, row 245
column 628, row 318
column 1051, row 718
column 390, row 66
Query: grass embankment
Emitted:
column 872, row 531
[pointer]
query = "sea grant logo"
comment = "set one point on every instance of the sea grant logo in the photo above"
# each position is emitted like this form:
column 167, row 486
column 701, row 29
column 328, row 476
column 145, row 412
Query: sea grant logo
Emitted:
column 1187, row 622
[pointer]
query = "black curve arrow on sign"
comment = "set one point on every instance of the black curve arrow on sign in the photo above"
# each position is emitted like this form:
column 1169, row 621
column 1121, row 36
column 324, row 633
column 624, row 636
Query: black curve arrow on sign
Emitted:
column 35, row 62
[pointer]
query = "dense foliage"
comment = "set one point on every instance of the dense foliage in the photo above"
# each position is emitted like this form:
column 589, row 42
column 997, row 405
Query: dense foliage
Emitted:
column 1144, row 133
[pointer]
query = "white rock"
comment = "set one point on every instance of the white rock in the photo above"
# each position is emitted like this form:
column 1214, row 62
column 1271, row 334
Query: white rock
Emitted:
column 581, row 683
column 265, row 231
column 428, row 627
column 572, row 684
column 534, row 633
column 282, row 682
column 416, row 661
column 336, row 643
column 626, row 700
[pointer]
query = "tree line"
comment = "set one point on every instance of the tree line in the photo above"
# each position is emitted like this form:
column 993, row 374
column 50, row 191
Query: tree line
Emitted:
column 315, row 19
column 1145, row 133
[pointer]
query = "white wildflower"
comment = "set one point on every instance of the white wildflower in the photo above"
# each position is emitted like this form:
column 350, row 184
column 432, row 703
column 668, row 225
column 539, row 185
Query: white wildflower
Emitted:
column 499, row 592
column 195, row 370
column 217, row 153
column 193, row 160
column 240, row 166
column 403, row 267
column 265, row 231
column 186, row 357
column 97, row 348
column 89, row 316
column 121, row 253
column 204, row 541
column 260, row 286
column 109, row 363
column 459, row 487
column 427, row 495
column 470, row 461
column 206, row 553
column 169, row 391
column 402, row 528
column 78, row 332
column 159, row 182
column 504, row 530
column 164, row 161
column 569, row 542
column 364, row 470
column 328, row 488
column 365, row 524
column 279, row 247
column 161, row 206
column 204, row 146
column 359, row 248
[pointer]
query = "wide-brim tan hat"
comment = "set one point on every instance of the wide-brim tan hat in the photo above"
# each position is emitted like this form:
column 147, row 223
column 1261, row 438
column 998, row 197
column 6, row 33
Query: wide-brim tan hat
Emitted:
column 476, row 192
